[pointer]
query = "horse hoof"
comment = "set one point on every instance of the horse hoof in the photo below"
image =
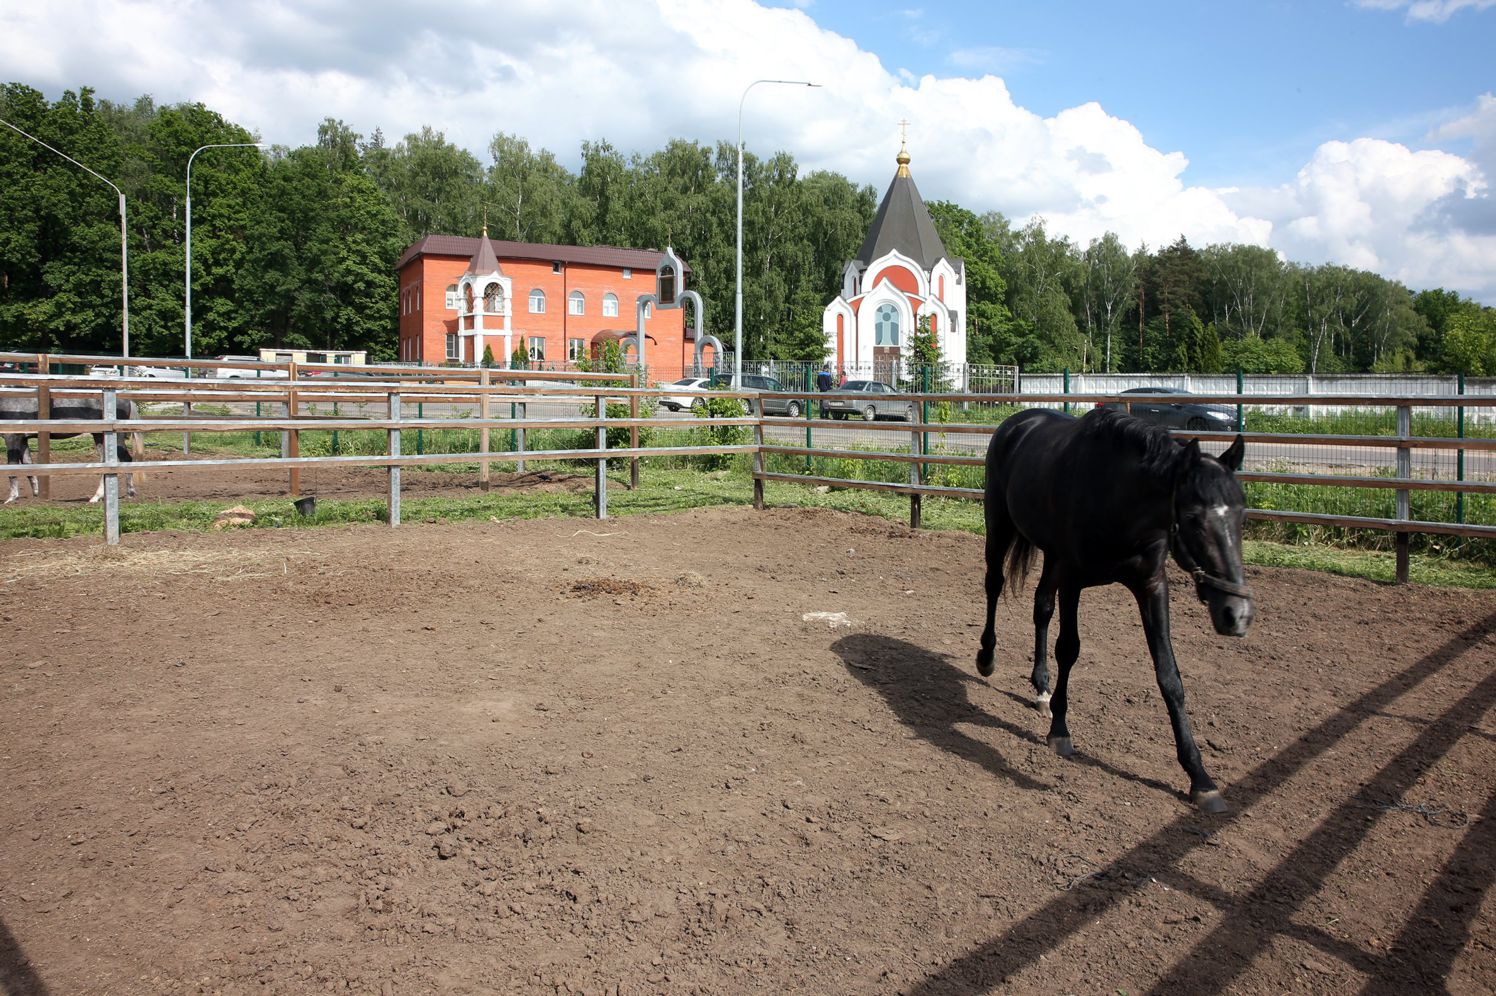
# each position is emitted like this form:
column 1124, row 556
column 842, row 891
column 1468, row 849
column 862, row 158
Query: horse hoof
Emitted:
column 1209, row 802
column 1041, row 702
column 1061, row 746
column 984, row 664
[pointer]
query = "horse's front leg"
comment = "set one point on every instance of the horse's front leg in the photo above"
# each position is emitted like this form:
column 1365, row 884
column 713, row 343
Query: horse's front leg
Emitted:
column 1153, row 604
column 1066, row 653
column 1043, row 612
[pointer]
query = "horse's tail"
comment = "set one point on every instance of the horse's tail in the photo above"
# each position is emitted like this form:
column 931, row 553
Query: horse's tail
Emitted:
column 1019, row 560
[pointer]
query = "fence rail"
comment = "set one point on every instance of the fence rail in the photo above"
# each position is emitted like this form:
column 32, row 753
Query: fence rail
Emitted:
column 943, row 440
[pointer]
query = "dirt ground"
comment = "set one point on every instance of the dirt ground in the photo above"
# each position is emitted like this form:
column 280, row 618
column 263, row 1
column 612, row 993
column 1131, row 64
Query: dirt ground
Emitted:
column 577, row 756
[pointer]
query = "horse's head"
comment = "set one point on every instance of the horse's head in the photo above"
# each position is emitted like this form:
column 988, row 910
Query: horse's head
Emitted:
column 1209, row 512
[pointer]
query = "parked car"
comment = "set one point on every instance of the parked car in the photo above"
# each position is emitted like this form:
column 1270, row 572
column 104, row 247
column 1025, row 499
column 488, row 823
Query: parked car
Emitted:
column 682, row 394
column 243, row 373
column 753, row 383
column 156, row 373
column 1175, row 414
column 851, row 399
column 108, row 371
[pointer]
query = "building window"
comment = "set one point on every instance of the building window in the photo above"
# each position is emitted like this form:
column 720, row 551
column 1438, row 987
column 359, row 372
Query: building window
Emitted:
column 467, row 298
column 886, row 326
column 452, row 297
column 610, row 305
column 493, row 299
column 576, row 349
column 555, row 267
column 452, row 352
column 537, row 302
column 418, row 299
column 537, row 348
column 628, row 274
column 576, row 304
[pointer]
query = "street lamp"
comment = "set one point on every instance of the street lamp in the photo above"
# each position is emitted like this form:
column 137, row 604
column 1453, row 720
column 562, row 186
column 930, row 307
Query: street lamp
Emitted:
column 124, row 238
column 737, row 338
column 188, row 297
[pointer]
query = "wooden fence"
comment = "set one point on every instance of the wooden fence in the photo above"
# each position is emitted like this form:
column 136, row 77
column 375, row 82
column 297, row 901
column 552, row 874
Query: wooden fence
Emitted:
column 393, row 390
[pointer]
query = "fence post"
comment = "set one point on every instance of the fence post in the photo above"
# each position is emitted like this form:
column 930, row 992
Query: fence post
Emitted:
column 44, row 411
column 1067, row 389
column 420, row 433
column 916, row 475
column 257, row 415
column 110, row 413
column 600, row 485
column 634, row 434
column 394, row 451
column 1241, row 386
column 187, row 413
column 483, row 412
column 293, row 438
column 1404, row 472
column 758, row 455
column 924, row 417
column 519, row 434
column 1459, row 456
column 810, row 460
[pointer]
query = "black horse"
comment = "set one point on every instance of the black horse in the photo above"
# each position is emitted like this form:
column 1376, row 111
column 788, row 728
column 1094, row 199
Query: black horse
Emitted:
column 1106, row 498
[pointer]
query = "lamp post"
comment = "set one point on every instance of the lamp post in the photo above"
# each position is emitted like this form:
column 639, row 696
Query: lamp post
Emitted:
column 737, row 337
column 187, row 299
column 124, row 238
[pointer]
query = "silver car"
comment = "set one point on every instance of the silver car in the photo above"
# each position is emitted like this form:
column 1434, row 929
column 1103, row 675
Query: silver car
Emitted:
column 753, row 383
column 851, row 400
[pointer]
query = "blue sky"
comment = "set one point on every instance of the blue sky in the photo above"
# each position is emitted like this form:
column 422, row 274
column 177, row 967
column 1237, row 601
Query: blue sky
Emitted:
column 1360, row 132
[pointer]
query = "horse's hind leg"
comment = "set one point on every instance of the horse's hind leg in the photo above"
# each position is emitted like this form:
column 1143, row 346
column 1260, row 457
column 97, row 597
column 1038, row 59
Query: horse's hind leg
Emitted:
column 1043, row 612
column 999, row 538
column 1066, row 652
column 17, row 452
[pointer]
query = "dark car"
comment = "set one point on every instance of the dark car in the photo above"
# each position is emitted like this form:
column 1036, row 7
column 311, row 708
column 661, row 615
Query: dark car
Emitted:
column 1179, row 414
column 753, row 383
column 851, row 400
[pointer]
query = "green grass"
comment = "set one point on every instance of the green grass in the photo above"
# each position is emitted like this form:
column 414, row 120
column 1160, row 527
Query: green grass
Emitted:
column 665, row 490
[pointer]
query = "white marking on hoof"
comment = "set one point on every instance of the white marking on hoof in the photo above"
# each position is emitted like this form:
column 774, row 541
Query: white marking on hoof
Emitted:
column 1209, row 802
column 1041, row 701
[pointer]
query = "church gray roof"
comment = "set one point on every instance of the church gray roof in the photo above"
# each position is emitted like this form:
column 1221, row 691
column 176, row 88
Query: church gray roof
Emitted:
column 902, row 223
column 485, row 260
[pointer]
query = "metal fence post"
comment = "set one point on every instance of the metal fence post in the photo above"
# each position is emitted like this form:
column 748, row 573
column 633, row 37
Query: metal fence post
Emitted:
column 924, row 417
column 1241, row 385
column 758, row 454
column 1404, row 472
column 293, row 438
column 420, row 433
column 44, row 411
column 916, row 476
column 810, row 460
column 600, row 485
column 1459, row 456
column 257, row 415
column 394, row 451
column 111, row 478
column 1067, row 389
column 335, row 449
column 634, row 434
column 484, row 407
column 519, row 435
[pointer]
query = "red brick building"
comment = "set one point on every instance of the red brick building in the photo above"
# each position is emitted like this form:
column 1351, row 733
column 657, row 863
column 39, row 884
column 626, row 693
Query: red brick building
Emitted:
column 557, row 303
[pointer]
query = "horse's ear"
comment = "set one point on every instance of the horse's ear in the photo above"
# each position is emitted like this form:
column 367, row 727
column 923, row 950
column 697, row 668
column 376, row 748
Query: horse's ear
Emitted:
column 1189, row 456
column 1233, row 456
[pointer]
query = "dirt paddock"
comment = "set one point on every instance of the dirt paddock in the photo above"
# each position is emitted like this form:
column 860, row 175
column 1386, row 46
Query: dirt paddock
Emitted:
column 580, row 756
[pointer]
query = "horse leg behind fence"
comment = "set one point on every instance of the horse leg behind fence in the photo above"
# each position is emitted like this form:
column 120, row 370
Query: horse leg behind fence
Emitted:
column 123, row 453
column 18, row 452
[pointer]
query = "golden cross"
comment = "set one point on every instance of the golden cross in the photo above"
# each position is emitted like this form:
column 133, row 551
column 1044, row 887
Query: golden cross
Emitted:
column 903, row 132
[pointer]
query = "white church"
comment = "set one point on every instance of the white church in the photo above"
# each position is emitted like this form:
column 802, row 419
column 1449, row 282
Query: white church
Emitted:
column 901, row 275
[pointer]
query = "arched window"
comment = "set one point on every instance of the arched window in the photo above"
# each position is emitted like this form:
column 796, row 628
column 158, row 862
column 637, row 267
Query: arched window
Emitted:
column 537, row 302
column 467, row 297
column 576, row 304
column 452, row 297
column 886, row 326
column 493, row 299
column 610, row 305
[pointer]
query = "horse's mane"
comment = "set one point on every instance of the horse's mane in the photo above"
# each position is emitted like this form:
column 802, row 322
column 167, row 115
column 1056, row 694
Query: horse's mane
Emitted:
column 1158, row 451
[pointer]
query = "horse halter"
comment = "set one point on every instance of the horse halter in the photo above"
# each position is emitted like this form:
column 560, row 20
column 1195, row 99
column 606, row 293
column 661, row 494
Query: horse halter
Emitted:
column 1203, row 578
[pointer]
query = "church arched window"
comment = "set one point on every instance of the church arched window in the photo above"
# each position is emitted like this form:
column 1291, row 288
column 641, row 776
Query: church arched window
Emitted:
column 576, row 303
column 493, row 299
column 537, row 301
column 610, row 305
column 886, row 326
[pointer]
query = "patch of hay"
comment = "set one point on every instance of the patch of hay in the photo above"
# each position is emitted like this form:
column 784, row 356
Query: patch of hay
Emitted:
column 224, row 566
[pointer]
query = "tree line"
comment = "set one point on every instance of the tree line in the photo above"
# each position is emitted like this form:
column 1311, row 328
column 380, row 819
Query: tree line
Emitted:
column 297, row 247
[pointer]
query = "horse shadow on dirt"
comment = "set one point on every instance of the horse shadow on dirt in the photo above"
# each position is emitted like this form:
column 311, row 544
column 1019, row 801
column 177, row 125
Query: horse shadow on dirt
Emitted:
column 1434, row 934
column 929, row 695
column 17, row 976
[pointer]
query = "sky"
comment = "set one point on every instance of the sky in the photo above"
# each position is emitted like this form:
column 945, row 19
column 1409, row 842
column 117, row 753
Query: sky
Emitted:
column 1360, row 132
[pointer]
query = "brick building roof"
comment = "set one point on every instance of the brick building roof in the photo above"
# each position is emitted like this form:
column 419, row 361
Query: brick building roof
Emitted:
column 466, row 248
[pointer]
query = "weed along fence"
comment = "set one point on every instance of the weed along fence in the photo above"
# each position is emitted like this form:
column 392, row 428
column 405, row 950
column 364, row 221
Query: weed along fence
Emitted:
column 1398, row 469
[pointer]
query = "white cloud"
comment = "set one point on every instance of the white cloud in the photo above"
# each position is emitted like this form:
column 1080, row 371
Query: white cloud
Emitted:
column 1434, row 11
column 641, row 74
